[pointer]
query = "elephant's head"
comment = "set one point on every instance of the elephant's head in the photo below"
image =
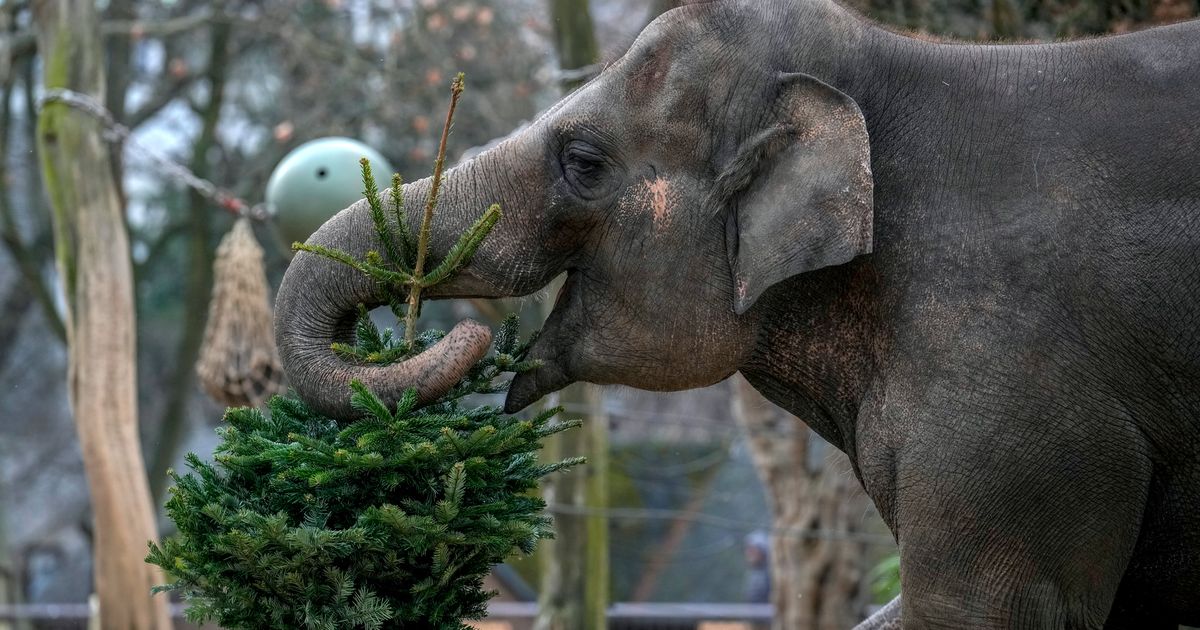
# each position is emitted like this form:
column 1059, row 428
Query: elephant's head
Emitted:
column 674, row 190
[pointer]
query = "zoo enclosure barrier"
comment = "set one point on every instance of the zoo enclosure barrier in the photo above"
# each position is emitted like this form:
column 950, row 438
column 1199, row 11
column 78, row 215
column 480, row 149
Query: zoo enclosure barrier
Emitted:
column 501, row 616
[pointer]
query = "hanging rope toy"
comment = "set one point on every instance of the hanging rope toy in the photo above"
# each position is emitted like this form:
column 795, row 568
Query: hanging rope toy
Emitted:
column 239, row 365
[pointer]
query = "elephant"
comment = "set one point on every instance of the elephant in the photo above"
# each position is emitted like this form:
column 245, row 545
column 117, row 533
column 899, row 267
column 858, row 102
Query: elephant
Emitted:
column 975, row 269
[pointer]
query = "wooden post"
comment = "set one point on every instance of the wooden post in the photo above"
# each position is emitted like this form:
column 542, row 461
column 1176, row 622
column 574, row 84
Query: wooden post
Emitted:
column 598, row 577
column 574, row 589
column 575, row 578
column 574, row 37
column 95, row 271
column 7, row 575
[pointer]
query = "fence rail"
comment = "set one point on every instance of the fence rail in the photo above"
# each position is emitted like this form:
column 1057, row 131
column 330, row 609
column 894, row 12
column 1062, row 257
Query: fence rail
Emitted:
column 507, row 611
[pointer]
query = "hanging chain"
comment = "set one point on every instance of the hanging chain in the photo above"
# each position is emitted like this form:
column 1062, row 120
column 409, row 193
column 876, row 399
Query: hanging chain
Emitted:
column 116, row 132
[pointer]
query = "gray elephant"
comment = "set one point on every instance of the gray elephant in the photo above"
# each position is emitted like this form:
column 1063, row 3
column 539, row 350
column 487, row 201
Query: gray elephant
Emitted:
column 974, row 269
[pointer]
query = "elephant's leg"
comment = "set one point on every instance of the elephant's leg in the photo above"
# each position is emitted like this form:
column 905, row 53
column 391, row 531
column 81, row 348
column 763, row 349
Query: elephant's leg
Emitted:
column 1139, row 622
column 1138, row 607
column 886, row 618
column 1017, row 522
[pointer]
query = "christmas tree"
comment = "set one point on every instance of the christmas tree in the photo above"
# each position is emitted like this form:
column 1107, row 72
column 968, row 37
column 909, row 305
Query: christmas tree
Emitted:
column 389, row 521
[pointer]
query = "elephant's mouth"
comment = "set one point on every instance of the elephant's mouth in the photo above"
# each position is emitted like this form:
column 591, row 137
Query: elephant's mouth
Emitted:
column 552, row 348
column 465, row 285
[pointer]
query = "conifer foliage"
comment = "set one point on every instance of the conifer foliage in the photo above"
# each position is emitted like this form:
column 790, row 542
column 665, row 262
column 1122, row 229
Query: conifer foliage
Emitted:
column 390, row 521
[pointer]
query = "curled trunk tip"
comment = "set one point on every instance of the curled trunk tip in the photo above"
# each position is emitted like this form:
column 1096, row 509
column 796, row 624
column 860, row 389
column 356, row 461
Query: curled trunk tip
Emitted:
column 316, row 306
column 324, row 383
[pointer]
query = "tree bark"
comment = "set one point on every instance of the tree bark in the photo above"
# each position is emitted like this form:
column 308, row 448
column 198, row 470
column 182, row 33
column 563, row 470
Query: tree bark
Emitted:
column 574, row 37
column 199, row 275
column 92, row 251
column 817, row 568
column 7, row 575
column 574, row 589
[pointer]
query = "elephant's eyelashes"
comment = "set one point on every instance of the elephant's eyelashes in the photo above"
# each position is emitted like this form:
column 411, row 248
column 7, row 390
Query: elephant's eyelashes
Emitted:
column 587, row 169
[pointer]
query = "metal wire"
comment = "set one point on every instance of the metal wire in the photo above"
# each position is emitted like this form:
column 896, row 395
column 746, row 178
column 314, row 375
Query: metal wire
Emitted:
column 117, row 133
column 721, row 522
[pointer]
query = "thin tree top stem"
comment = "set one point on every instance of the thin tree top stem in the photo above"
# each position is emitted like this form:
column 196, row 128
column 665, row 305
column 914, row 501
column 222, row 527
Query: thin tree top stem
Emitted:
column 456, row 91
column 414, row 292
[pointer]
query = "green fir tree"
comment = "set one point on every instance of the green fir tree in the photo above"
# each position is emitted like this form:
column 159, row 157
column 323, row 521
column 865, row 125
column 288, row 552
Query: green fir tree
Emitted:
column 389, row 521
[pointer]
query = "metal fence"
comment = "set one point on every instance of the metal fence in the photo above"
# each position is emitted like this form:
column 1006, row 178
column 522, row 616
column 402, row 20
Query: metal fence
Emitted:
column 645, row 616
column 501, row 616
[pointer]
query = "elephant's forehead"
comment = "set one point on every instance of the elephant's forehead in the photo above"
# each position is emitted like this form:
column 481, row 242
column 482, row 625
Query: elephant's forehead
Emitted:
column 675, row 68
column 675, row 41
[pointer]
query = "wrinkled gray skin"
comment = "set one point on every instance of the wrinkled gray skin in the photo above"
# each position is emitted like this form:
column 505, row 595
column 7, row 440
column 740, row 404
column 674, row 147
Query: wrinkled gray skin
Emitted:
column 975, row 269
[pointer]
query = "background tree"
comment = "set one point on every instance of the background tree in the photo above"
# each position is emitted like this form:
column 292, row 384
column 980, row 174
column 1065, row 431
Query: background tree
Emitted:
column 817, row 565
column 92, row 250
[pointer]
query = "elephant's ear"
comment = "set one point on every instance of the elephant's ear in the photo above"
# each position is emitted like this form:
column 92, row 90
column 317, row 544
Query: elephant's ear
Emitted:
column 799, row 194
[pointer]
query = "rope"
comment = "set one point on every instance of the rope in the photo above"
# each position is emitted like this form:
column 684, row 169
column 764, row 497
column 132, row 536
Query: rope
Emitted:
column 117, row 133
column 238, row 364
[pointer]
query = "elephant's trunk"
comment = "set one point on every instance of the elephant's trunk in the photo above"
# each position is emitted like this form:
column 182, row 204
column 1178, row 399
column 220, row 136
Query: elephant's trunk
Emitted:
column 318, row 300
column 317, row 305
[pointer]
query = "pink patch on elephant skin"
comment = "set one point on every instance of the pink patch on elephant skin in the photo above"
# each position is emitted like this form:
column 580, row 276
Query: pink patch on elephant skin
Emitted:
column 661, row 203
column 655, row 199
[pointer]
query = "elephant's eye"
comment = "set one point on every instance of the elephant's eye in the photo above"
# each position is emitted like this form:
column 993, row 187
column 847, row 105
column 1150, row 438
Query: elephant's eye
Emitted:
column 586, row 169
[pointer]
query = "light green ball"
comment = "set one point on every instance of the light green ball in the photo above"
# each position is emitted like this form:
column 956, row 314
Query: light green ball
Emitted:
column 316, row 181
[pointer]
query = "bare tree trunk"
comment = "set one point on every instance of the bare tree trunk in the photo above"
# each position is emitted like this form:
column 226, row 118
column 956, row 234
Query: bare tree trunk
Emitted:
column 172, row 428
column 10, row 583
column 574, row 37
column 94, row 266
column 816, row 568
column 573, row 594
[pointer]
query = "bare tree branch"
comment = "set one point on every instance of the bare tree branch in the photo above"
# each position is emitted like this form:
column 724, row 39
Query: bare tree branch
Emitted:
column 163, row 94
column 27, row 262
column 164, row 28
column 23, row 43
column 157, row 248
column 169, row 90
column 13, row 309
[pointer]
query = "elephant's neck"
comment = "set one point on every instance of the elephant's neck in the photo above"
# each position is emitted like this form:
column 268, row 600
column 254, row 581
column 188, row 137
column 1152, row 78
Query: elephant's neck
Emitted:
column 817, row 348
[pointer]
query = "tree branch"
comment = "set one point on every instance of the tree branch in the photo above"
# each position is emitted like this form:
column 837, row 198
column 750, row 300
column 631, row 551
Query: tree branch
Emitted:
column 23, row 43
column 168, row 91
column 157, row 247
column 12, row 312
column 164, row 28
column 27, row 262
column 163, row 95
